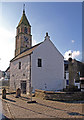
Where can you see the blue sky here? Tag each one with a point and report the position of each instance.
(62, 20)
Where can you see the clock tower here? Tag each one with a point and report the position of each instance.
(23, 35)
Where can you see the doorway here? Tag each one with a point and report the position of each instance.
(23, 87)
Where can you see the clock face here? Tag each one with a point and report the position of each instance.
(25, 39)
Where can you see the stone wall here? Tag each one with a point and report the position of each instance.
(62, 96)
(17, 75)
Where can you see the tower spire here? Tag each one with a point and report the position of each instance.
(23, 8)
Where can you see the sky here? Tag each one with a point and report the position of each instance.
(62, 21)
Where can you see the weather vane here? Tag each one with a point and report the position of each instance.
(23, 7)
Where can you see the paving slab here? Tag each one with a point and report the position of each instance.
(19, 108)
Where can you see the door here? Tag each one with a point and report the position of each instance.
(23, 87)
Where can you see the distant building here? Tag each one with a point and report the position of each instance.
(40, 66)
(66, 73)
(2, 77)
(82, 77)
(7, 73)
(77, 70)
(2, 74)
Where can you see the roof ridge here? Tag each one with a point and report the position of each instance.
(29, 51)
(31, 47)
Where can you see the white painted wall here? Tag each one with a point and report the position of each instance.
(67, 78)
(82, 86)
(67, 75)
(16, 74)
(77, 84)
(50, 75)
(52, 71)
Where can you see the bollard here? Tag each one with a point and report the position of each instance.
(4, 93)
(18, 93)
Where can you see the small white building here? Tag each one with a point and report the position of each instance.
(40, 66)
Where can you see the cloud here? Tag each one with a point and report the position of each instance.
(7, 39)
(74, 54)
(34, 42)
(6, 34)
(72, 41)
(7, 47)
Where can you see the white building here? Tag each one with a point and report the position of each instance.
(77, 74)
(40, 66)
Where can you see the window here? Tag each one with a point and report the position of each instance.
(25, 30)
(29, 30)
(39, 62)
(19, 65)
(67, 82)
(18, 37)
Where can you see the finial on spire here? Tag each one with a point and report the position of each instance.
(23, 8)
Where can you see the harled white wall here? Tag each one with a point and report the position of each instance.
(51, 74)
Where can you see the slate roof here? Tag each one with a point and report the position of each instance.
(26, 52)
(8, 69)
(24, 20)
